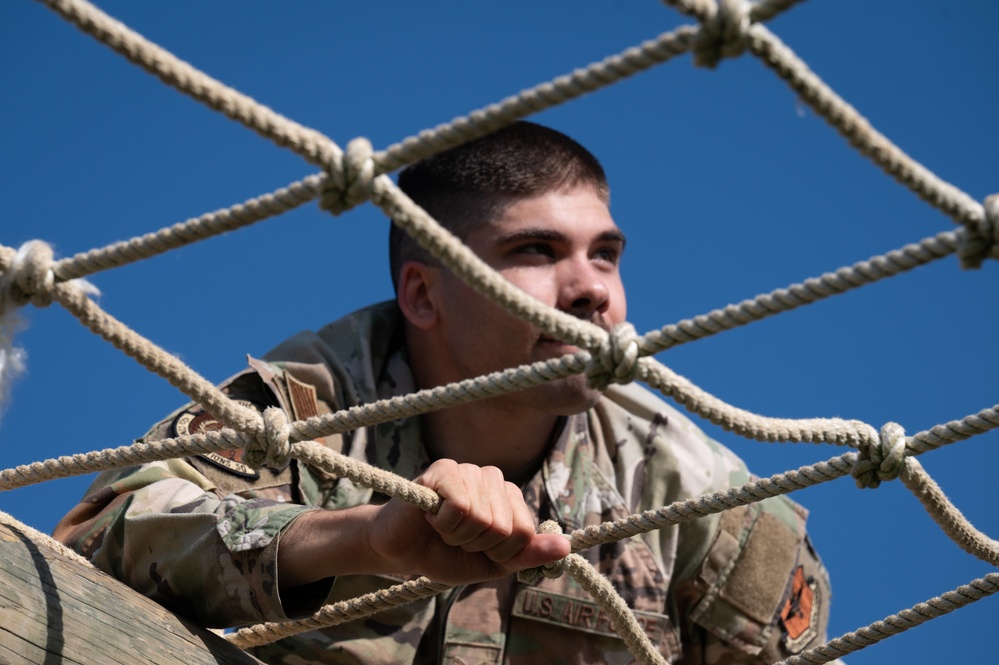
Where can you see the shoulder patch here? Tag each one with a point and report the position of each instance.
(198, 421)
(800, 615)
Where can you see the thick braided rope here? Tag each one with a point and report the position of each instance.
(811, 290)
(190, 231)
(320, 150)
(950, 520)
(698, 507)
(34, 281)
(750, 425)
(780, 300)
(155, 359)
(282, 434)
(980, 223)
(545, 95)
(36, 536)
(308, 143)
(707, 10)
(701, 326)
(341, 421)
(731, 26)
(955, 430)
(614, 606)
(595, 535)
(278, 434)
(304, 430)
(600, 588)
(337, 613)
(579, 568)
(898, 623)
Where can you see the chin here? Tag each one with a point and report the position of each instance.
(564, 397)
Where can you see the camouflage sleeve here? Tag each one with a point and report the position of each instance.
(198, 535)
(166, 532)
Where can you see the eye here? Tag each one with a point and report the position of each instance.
(609, 255)
(535, 249)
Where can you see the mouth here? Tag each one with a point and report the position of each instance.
(556, 345)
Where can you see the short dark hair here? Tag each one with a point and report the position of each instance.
(472, 183)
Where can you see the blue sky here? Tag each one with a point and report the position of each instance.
(726, 185)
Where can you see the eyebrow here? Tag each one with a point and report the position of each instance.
(611, 235)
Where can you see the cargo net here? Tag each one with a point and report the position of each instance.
(725, 28)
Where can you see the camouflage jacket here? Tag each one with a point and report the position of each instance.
(200, 535)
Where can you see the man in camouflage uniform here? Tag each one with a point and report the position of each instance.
(226, 545)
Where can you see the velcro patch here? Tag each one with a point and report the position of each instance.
(581, 614)
(800, 616)
(201, 422)
(757, 583)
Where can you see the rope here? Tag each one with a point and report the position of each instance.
(810, 291)
(982, 239)
(696, 508)
(184, 233)
(946, 515)
(307, 143)
(545, 95)
(836, 431)
(337, 613)
(859, 132)
(614, 606)
(727, 28)
(36, 536)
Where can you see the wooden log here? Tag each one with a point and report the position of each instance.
(54, 609)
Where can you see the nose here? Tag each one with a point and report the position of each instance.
(583, 289)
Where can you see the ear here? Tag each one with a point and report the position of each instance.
(419, 290)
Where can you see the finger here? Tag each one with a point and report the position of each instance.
(446, 479)
(522, 527)
(466, 511)
(477, 519)
(500, 512)
(541, 549)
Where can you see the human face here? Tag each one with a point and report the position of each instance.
(563, 249)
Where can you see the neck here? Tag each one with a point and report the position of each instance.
(487, 434)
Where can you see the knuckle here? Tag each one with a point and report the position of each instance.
(479, 518)
(504, 531)
(522, 531)
(493, 473)
(444, 465)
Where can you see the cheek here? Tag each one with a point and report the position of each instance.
(618, 310)
(537, 283)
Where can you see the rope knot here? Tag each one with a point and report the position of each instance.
(29, 278)
(723, 34)
(616, 361)
(270, 448)
(883, 460)
(551, 570)
(351, 178)
(982, 239)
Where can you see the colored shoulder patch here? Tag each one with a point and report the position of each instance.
(198, 421)
(800, 616)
